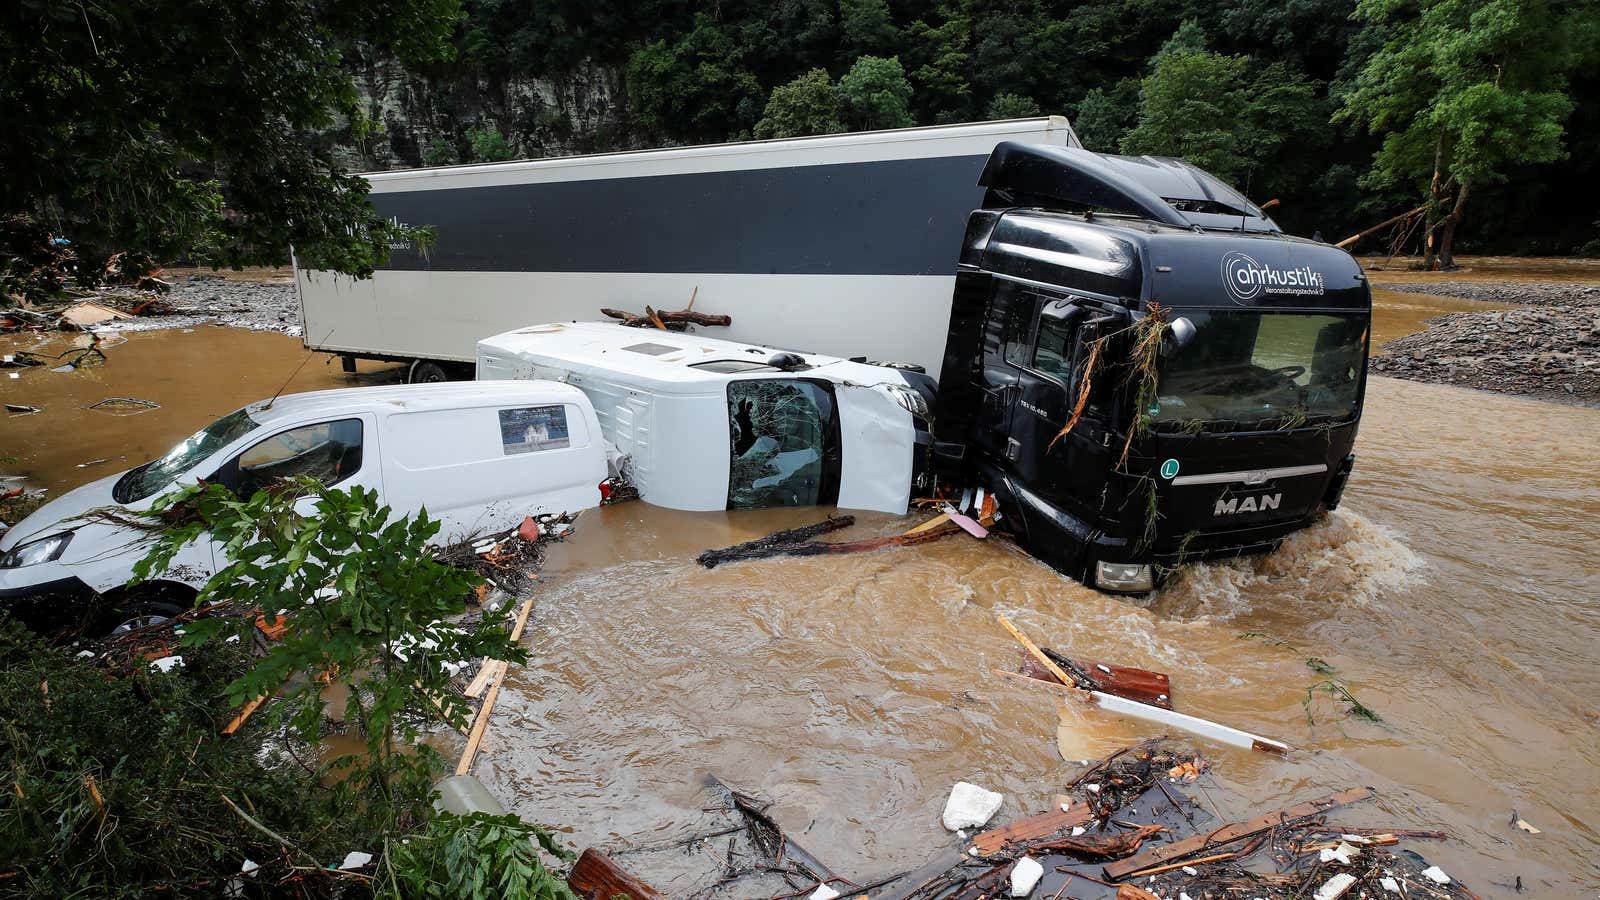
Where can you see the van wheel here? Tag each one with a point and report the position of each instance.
(426, 371)
(142, 615)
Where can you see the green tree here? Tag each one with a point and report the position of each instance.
(1011, 106)
(365, 602)
(156, 129)
(696, 87)
(1463, 92)
(938, 61)
(866, 27)
(1105, 116)
(1214, 111)
(807, 105)
(876, 94)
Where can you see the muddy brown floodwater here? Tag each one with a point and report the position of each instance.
(1456, 595)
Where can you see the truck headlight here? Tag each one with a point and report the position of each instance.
(32, 553)
(1123, 576)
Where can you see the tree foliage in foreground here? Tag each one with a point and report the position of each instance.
(158, 129)
(121, 781)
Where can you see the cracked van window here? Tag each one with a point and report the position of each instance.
(155, 476)
(327, 451)
(779, 433)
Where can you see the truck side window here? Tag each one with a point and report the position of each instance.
(780, 440)
(1017, 324)
(1054, 353)
(327, 451)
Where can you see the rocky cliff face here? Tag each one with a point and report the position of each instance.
(446, 118)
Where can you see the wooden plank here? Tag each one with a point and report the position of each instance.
(486, 674)
(596, 876)
(1042, 826)
(1230, 833)
(481, 723)
(932, 523)
(1038, 655)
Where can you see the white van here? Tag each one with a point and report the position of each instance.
(478, 457)
(707, 424)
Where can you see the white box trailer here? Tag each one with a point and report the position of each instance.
(840, 244)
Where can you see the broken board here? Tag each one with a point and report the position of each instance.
(1141, 685)
(596, 876)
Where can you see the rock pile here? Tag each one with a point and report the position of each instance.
(1550, 350)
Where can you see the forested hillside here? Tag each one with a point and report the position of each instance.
(1342, 110)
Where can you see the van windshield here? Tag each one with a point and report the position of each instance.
(158, 475)
(1247, 368)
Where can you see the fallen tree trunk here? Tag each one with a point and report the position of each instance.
(825, 548)
(673, 320)
(1381, 225)
(752, 549)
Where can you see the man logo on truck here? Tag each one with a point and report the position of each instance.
(1228, 506)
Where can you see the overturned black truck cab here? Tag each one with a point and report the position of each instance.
(1143, 369)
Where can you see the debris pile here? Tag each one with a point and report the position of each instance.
(196, 299)
(1124, 829)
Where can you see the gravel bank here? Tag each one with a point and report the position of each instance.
(1550, 350)
(1511, 292)
(203, 298)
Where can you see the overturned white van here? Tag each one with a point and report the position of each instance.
(707, 424)
(478, 457)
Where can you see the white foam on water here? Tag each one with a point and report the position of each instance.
(1344, 558)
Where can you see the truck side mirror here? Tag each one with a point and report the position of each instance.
(1179, 334)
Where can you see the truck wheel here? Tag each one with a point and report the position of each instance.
(426, 371)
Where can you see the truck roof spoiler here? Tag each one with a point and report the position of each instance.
(1161, 189)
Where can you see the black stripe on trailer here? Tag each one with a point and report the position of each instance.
(887, 217)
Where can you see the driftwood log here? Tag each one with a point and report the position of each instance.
(667, 320)
(763, 547)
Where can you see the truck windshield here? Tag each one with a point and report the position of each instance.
(1245, 368)
(156, 476)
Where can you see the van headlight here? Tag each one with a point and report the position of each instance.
(32, 553)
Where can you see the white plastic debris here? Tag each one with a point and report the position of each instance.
(1390, 885)
(823, 892)
(1355, 839)
(1025, 875)
(231, 639)
(970, 806)
(1341, 854)
(1077, 830)
(86, 654)
(1183, 895)
(1190, 871)
(1435, 875)
(1335, 887)
(355, 859)
(166, 663)
(249, 867)
(1092, 788)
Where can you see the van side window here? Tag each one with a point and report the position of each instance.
(782, 443)
(330, 452)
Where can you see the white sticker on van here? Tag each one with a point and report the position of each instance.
(531, 428)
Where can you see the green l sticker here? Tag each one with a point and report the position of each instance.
(1169, 469)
